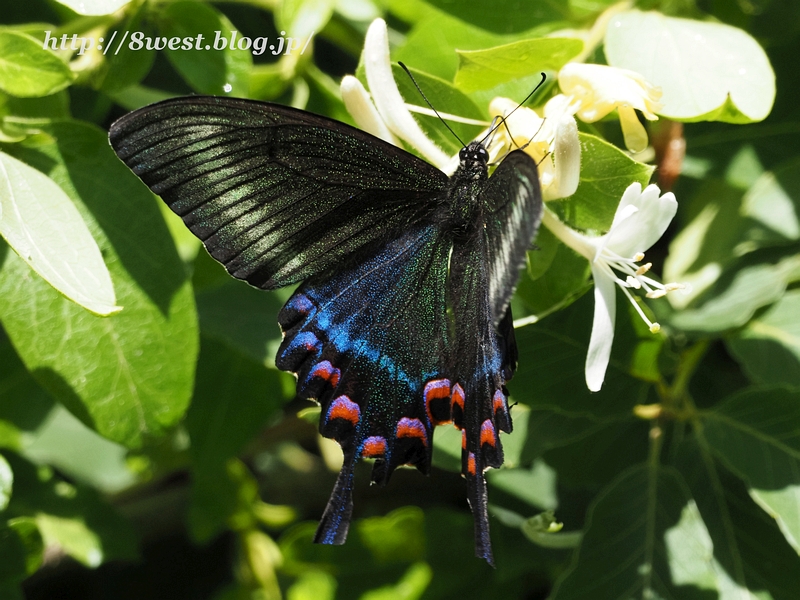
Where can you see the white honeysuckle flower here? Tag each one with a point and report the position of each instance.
(641, 219)
(386, 116)
(359, 105)
(551, 141)
(387, 98)
(599, 89)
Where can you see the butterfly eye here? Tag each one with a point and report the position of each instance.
(462, 154)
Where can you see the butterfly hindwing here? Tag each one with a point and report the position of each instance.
(484, 268)
(370, 344)
(276, 194)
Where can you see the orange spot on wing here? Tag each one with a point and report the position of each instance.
(438, 389)
(488, 435)
(412, 428)
(471, 469)
(373, 447)
(326, 371)
(499, 402)
(458, 396)
(344, 408)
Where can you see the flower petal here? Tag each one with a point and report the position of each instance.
(567, 158)
(633, 131)
(642, 228)
(360, 106)
(387, 97)
(600, 89)
(605, 308)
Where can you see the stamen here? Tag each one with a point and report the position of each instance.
(633, 282)
(638, 257)
(643, 269)
(639, 310)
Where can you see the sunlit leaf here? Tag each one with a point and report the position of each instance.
(27, 69)
(40, 222)
(707, 71)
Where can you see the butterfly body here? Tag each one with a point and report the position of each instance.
(402, 319)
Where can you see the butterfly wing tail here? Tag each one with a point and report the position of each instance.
(335, 522)
(477, 496)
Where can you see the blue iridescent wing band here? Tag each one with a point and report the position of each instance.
(369, 344)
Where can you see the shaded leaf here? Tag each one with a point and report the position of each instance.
(220, 69)
(769, 346)
(643, 539)
(756, 434)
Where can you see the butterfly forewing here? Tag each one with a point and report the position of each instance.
(276, 194)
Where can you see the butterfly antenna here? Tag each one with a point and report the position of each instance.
(428, 102)
(528, 97)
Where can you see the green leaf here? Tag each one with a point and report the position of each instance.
(596, 456)
(552, 362)
(737, 294)
(751, 557)
(302, 18)
(756, 433)
(42, 225)
(6, 482)
(94, 7)
(314, 584)
(644, 538)
(483, 69)
(73, 519)
(535, 485)
(126, 67)
(774, 203)
(429, 45)
(28, 70)
(449, 100)
(769, 346)
(606, 172)
(411, 585)
(143, 358)
(233, 398)
(62, 441)
(726, 224)
(398, 536)
(223, 495)
(707, 71)
(24, 405)
(243, 317)
(501, 16)
(556, 275)
(21, 549)
(216, 68)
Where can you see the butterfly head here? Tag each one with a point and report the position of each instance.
(473, 160)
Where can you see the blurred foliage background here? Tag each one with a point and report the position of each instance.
(158, 453)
